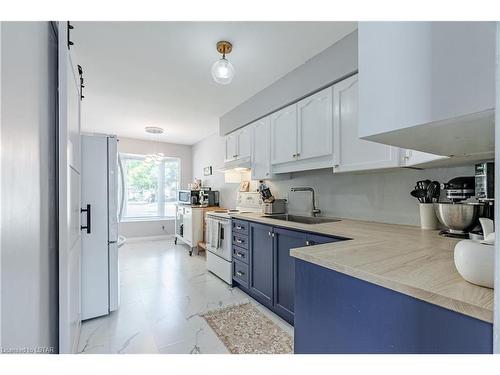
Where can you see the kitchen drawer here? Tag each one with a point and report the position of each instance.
(240, 227)
(240, 240)
(240, 254)
(240, 272)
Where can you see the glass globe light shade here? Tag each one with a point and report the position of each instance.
(223, 71)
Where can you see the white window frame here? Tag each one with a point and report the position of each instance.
(161, 186)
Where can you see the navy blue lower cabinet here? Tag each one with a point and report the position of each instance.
(261, 263)
(336, 313)
(284, 270)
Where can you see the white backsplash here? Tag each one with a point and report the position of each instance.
(382, 196)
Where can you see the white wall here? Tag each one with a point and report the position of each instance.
(29, 273)
(141, 147)
(382, 196)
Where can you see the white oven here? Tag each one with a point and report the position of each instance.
(218, 242)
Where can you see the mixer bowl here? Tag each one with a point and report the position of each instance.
(458, 217)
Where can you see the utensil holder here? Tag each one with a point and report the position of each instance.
(428, 218)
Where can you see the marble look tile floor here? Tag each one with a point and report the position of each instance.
(163, 290)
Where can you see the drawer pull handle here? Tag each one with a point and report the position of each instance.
(270, 234)
(238, 227)
(239, 241)
(241, 255)
(309, 243)
(239, 273)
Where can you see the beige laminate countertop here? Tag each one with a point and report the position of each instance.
(407, 259)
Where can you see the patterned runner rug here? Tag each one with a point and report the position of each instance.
(245, 330)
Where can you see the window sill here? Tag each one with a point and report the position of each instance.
(143, 219)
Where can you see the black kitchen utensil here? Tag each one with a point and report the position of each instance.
(423, 184)
(437, 191)
(420, 194)
(431, 191)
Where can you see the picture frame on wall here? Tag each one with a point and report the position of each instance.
(207, 171)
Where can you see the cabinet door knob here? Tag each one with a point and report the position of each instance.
(239, 273)
(309, 243)
(239, 227)
(269, 233)
(240, 255)
(239, 241)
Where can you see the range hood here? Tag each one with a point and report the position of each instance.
(242, 164)
(463, 139)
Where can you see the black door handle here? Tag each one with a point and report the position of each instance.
(89, 220)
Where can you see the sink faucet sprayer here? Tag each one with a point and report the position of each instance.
(315, 211)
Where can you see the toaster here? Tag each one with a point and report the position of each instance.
(273, 208)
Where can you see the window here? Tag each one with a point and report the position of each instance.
(150, 187)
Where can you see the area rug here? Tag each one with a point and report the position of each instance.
(245, 330)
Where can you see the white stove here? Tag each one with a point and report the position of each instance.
(219, 237)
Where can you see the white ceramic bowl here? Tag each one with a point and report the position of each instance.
(475, 262)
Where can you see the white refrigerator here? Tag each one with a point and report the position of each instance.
(99, 198)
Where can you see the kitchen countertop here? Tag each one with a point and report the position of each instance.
(407, 259)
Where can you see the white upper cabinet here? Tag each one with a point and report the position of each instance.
(416, 159)
(314, 116)
(284, 135)
(261, 149)
(238, 144)
(231, 141)
(301, 134)
(422, 83)
(350, 152)
(244, 142)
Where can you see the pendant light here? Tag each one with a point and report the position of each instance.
(158, 156)
(223, 70)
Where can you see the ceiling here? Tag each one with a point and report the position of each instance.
(140, 74)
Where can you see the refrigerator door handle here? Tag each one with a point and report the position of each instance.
(122, 202)
(89, 219)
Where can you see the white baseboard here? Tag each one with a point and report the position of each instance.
(150, 238)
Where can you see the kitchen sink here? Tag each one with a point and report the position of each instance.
(303, 219)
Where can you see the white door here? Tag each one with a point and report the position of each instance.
(261, 149)
(284, 135)
(244, 142)
(350, 152)
(69, 197)
(315, 125)
(231, 141)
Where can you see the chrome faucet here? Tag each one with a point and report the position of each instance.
(315, 211)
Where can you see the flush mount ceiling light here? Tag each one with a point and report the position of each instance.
(158, 156)
(223, 70)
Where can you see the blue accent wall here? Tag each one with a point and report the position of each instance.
(336, 313)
